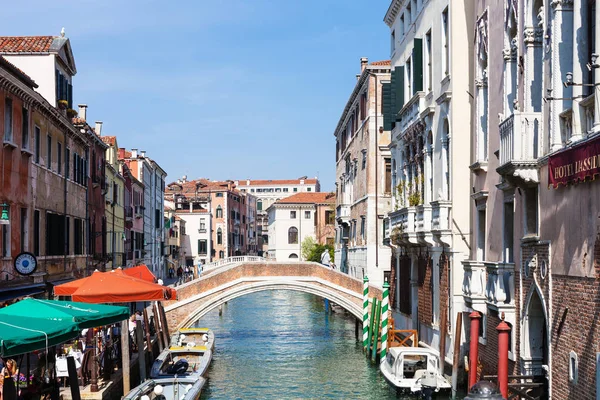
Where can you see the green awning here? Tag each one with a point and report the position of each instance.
(19, 335)
(84, 315)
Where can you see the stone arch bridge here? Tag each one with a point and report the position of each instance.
(198, 297)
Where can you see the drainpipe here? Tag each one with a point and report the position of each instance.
(394, 249)
(114, 237)
(91, 235)
(65, 228)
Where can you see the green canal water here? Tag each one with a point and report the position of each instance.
(283, 345)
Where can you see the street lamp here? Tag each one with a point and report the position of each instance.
(4, 217)
(569, 81)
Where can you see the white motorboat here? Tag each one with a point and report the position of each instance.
(194, 337)
(414, 369)
(186, 361)
(168, 389)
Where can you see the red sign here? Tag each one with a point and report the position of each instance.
(574, 164)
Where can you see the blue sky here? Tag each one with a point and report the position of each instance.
(216, 89)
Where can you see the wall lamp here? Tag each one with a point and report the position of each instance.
(569, 81)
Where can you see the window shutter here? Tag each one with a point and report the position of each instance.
(199, 249)
(417, 62)
(75, 167)
(57, 84)
(399, 91)
(387, 106)
(70, 95)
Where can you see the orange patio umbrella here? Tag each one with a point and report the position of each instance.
(141, 272)
(114, 287)
(67, 289)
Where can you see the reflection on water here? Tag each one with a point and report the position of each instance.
(283, 345)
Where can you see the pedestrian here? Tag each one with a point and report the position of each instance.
(9, 376)
(325, 257)
(171, 273)
(179, 275)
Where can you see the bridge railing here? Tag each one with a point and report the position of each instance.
(231, 260)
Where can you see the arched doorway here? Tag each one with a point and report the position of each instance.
(535, 338)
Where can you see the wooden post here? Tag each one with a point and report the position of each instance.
(125, 356)
(443, 330)
(371, 322)
(376, 332)
(356, 328)
(158, 327)
(94, 361)
(139, 338)
(164, 324)
(73, 379)
(456, 358)
(147, 329)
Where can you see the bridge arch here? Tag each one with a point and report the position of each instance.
(227, 282)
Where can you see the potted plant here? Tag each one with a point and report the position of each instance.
(63, 104)
(71, 113)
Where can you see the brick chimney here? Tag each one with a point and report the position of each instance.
(364, 61)
(121, 153)
(82, 110)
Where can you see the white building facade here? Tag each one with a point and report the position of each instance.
(289, 225)
(427, 108)
(363, 178)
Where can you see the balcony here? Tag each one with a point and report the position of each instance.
(411, 112)
(440, 222)
(202, 230)
(474, 285)
(128, 213)
(520, 146)
(500, 286)
(402, 224)
(342, 213)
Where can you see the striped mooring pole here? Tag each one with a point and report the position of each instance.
(366, 313)
(384, 321)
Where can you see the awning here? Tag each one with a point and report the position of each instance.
(21, 291)
(140, 272)
(83, 314)
(114, 287)
(19, 335)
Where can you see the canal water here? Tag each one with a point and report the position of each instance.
(283, 345)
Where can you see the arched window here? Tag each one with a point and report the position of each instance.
(219, 236)
(219, 212)
(221, 254)
(293, 255)
(259, 205)
(293, 235)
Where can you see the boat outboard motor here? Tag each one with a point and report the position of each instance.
(429, 384)
(179, 368)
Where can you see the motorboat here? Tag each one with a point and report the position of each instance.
(184, 361)
(414, 369)
(186, 388)
(194, 337)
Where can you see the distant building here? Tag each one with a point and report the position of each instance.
(267, 192)
(363, 179)
(176, 239)
(297, 217)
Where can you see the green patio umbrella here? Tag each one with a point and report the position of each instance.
(85, 315)
(23, 334)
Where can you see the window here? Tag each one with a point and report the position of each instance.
(36, 232)
(309, 189)
(292, 214)
(429, 67)
(78, 236)
(37, 144)
(201, 246)
(219, 212)
(481, 229)
(531, 211)
(393, 42)
(202, 225)
(573, 367)
(59, 158)
(157, 216)
(55, 234)
(329, 217)
(49, 152)
(364, 159)
(446, 49)
(295, 189)
(24, 230)
(220, 194)
(293, 255)
(362, 227)
(67, 155)
(401, 26)
(233, 214)
(509, 216)
(259, 205)
(8, 120)
(407, 81)
(408, 14)
(388, 176)
(277, 190)
(293, 235)
(306, 214)
(25, 130)
(219, 236)
(285, 190)
(221, 254)
(5, 241)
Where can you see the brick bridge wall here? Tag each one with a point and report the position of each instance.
(309, 277)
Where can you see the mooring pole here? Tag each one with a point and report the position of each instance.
(474, 347)
(366, 313)
(384, 321)
(371, 322)
(376, 332)
(503, 332)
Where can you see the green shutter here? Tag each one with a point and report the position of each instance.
(387, 106)
(417, 57)
(199, 250)
(399, 90)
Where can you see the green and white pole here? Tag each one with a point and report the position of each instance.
(384, 321)
(366, 313)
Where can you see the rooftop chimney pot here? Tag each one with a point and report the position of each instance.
(363, 63)
(134, 153)
(143, 153)
(82, 110)
(98, 128)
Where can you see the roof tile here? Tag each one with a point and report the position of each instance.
(309, 198)
(25, 44)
